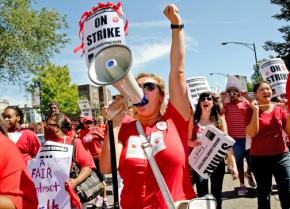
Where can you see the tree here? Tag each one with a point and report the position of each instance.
(55, 85)
(28, 38)
(283, 49)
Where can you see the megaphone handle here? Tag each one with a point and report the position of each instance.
(112, 113)
(105, 93)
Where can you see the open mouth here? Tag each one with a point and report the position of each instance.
(205, 105)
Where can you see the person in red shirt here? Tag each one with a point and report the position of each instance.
(167, 133)
(25, 139)
(234, 112)
(92, 137)
(17, 189)
(269, 154)
(56, 126)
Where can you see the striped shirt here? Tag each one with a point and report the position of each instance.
(235, 118)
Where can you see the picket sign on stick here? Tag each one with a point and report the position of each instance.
(195, 86)
(103, 25)
(275, 72)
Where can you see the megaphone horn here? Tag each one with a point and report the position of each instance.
(111, 65)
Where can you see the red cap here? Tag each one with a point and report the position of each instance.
(87, 118)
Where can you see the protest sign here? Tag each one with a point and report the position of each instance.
(49, 176)
(237, 81)
(196, 86)
(85, 107)
(103, 25)
(52, 149)
(214, 146)
(275, 72)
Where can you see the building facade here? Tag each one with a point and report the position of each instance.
(95, 96)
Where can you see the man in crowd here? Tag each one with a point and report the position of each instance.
(234, 112)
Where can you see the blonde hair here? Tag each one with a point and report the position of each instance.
(161, 86)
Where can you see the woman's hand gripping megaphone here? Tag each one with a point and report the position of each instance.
(117, 109)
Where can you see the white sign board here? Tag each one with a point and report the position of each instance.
(196, 86)
(85, 107)
(49, 176)
(52, 149)
(237, 81)
(214, 146)
(104, 27)
(275, 72)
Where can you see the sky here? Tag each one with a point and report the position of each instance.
(208, 23)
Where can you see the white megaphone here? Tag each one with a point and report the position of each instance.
(112, 65)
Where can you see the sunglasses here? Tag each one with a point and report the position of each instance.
(88, 122)
(149, 86)
(205, 98)
(51, 124)
(232, 93)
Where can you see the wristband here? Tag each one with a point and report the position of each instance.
(181, 26)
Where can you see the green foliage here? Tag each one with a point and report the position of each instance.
(256, 77)
(28, 38)
(250, 86)
(283, 48)
(56, 86)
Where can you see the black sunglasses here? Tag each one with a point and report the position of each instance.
(205, 98)
(149, 86)
(51, 124)
(88, 122)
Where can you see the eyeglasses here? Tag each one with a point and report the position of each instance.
(205, 98)
(232, 93)
(51, 124)
(88, 122)
(149, 86)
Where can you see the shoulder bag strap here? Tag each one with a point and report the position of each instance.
(158, 176)
(74, 149)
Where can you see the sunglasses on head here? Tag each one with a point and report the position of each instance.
(148, 86)
(205, 98)
(232, 93)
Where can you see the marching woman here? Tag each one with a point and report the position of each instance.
(208, 113)
(25, 139)
(269, 153)
(56, 126)
(165, 132)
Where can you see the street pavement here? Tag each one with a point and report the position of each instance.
(230, 198)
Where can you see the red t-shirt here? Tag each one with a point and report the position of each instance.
(169, 140)
(95, 141)
(235, 118)
(15, 180)
(82, 156)
(269, 140)
(27, 142)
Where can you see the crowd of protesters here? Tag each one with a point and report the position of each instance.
(263, 119)
(172, 130)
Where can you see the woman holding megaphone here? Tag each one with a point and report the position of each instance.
(166, 132)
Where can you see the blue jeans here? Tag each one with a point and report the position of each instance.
(216, 178)
(263, 168)
(240, 153)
